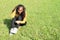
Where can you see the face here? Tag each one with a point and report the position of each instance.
(20, 10)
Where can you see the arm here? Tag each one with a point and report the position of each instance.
(12, 15)
(24, 20)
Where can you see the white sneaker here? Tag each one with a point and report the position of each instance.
(13, 30)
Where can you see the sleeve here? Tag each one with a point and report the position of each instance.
(24, 20)
(12, 15)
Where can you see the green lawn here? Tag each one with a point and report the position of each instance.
(43, 20)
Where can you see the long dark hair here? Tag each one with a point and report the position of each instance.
(17, 8)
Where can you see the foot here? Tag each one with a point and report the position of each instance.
(13, 30)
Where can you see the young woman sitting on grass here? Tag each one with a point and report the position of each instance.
(18, 18)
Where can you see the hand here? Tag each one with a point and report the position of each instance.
(17, 22)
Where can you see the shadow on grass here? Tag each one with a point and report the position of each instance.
(8, 23)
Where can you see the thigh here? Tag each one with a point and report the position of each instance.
(13, 24)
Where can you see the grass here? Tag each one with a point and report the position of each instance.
(43, 20)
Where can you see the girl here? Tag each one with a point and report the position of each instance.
(18, 18)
